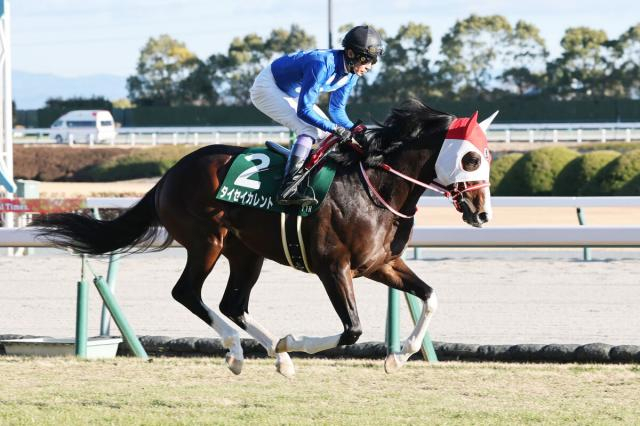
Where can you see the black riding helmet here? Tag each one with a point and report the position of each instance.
(365, 42)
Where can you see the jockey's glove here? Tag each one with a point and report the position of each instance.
(358, 132)
(342, 133)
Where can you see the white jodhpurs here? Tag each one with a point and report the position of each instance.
(279, 106)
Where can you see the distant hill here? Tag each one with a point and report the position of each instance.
(31, 90)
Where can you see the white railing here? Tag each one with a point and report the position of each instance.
(452, 236)
(249, 135)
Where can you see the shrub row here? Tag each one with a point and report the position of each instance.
(564, 172)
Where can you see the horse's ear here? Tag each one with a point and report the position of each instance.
(484, 125)
(471, 161)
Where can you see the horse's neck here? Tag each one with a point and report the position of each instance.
(402, 194)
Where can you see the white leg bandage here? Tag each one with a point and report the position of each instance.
(310, 345)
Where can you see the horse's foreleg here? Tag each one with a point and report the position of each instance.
(398, 275)
(245, 267)
(188, 292)
(337, 282)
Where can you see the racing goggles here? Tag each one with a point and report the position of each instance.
(370, 54)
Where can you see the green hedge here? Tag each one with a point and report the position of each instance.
(535, 173)
(577, 175)
(632, 187)
(499, 168)
(619, 177)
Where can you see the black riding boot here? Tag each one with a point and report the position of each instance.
(292, 171)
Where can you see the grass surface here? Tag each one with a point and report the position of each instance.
(202, 391)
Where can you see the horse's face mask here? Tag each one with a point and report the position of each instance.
(463, 168)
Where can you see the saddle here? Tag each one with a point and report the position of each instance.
(255, 176)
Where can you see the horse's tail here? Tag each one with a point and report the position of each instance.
(137, 227)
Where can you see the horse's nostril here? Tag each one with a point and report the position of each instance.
(483, 217)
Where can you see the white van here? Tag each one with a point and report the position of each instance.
(82, 124)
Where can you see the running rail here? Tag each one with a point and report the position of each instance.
(450, 236)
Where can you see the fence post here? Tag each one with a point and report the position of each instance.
(627, 135)
(555, 135)
(82, 313)
(175, 138)
(196, 139)
(530, 136)
(507, 136)
(579, 136)
(586, 251)
(154, 139)
(121, 321)
(238, 138)
(603, 135)
(393, 321)
(112, 271)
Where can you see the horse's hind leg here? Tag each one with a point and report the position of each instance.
(398, 275)
(201, 259)
(245, 267)
(336, 278)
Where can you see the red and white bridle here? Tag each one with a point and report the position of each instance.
(453, 192)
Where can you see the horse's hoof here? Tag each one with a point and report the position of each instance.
(284, 365)
(234, 364)
(392, 363)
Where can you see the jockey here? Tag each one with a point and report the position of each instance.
(288, 89)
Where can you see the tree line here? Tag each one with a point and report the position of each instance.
(480, 57)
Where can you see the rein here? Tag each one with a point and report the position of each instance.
(452, 192)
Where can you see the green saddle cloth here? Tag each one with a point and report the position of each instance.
(255, 176)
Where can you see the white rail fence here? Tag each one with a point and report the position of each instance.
(455, 236)
(249, 135)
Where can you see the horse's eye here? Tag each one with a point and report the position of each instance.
(471, 161)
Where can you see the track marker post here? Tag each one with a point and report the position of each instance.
(112, 306)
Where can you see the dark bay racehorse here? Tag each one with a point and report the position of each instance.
(352, 235)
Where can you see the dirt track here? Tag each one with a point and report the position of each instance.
(493, 300)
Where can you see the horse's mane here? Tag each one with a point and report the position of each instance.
(409, 123)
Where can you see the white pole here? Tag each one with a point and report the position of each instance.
(627, 135)
(555, 135)
(195, 139)
(579, 136)
(507, 136)
(531, 136)
(154, 139)
(603, 133)
(6, 118)
(175, 139)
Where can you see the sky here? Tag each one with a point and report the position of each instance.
(83, 37)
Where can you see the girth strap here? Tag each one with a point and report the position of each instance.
(292, 241)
